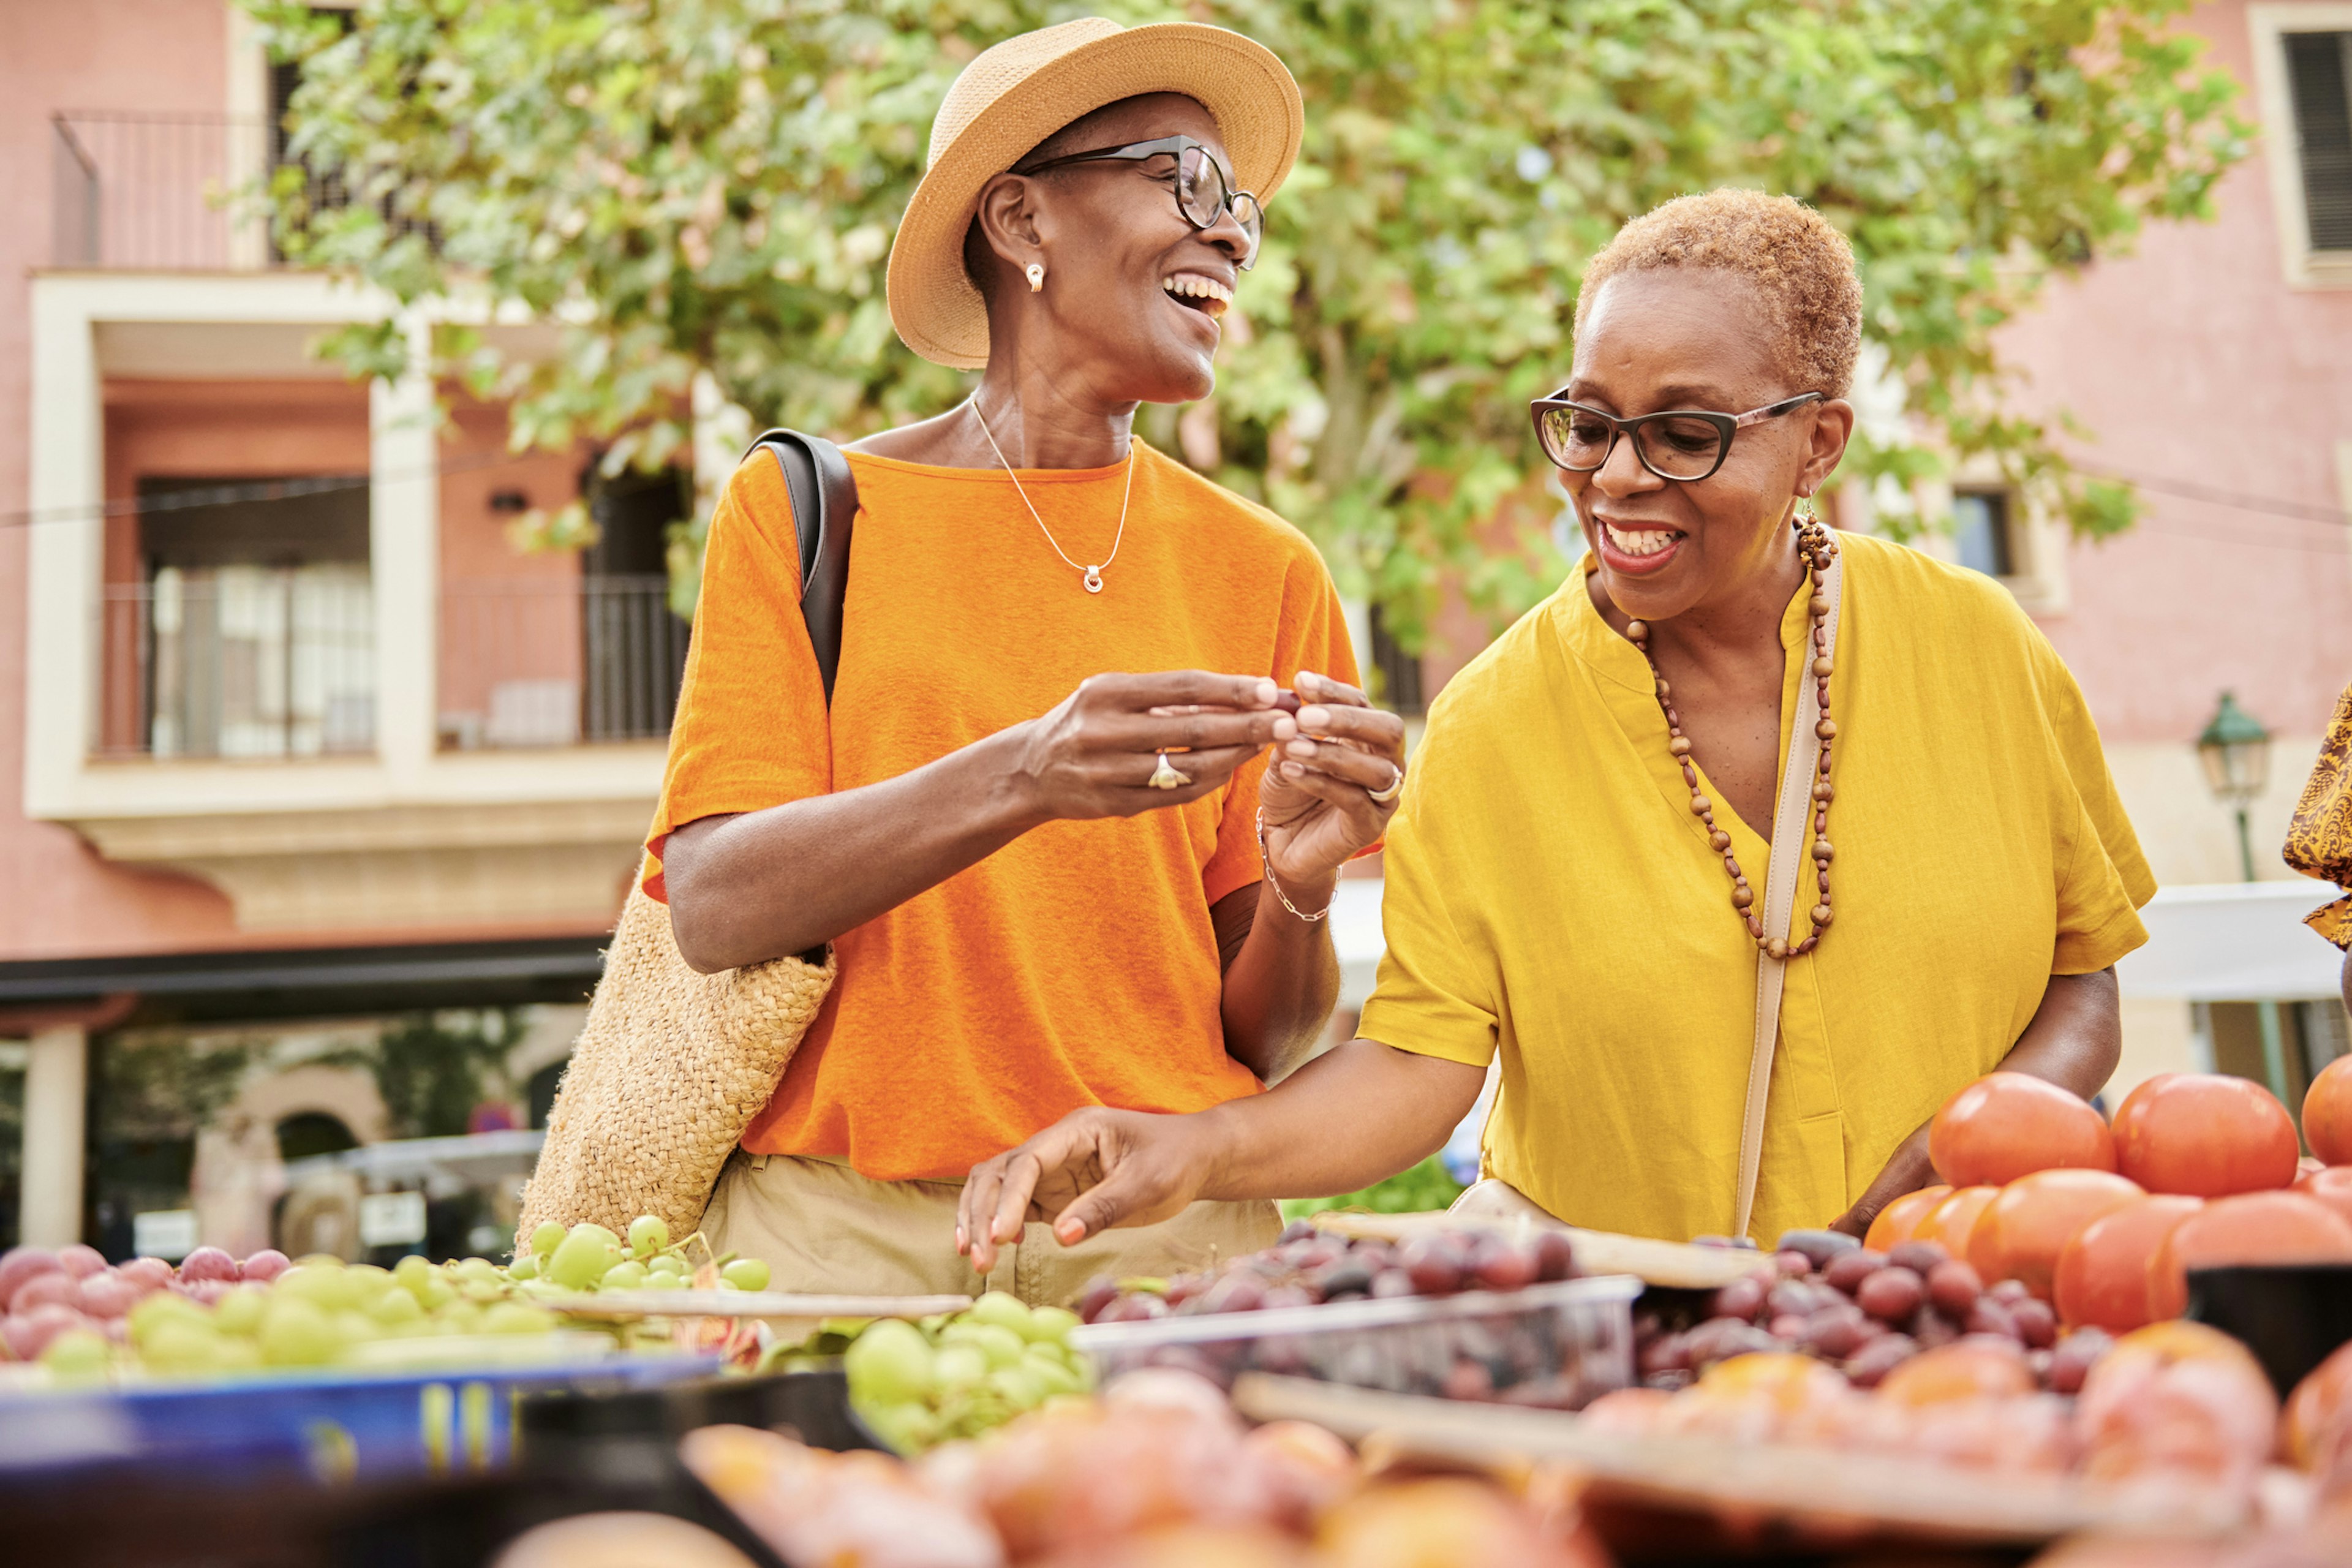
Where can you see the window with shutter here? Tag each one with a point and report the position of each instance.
(2319, 83)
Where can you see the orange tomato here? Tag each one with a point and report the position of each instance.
(1973, 1368)
(2024, 1230)
(2101, 1280)
(2327, 1112)
(2319, 1410)
(1954, 1220)
(2011, 1124)
(2331, 1185)
(2250, 1227)
(1898, 1220)
(2206, 1134)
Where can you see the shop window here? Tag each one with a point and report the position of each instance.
(1396, 673)
(308, 1134)
(2302, 79)
(1982, 532)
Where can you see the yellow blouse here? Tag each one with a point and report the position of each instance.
(1550, 897)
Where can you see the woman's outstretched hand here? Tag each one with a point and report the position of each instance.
(1095, 753)
(1092, 1170)
(1318, 786)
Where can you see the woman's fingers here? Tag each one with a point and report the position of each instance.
(1314, 687)
(1367, 769)
(1175, 688)
(1366, 726)
(1196, 730)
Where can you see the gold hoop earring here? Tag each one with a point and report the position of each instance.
(1036, 274)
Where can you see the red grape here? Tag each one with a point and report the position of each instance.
(1389, 1283)
(2037, 1324)
(1555, 1256)
(207, 1263)
(20, 1264)
(1233, 1293)
(2010, 1292)
(1819, 1246)
(1786, 1326)
(108, 1295)
(151, 1274)
(80, 1261)
(1742, 1299)
(1500, 1265)
(1098, 1295)
(1288, 1296)
(1468, 1379)
(1989, 1317)
(1836, 1332)
(1792, 1264)
(29, 1333)
(1434, 1263)
(1847, 1271)
(1882, 1355)
(1892, 1295)
(59, 1290)
(1918, 1256)
(1954, 1285)
(2071, 1358)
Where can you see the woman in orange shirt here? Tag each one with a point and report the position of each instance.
(1048, 887)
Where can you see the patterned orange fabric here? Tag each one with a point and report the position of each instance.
(2319, 839)
(1077, 965)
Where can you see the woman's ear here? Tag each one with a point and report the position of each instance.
(1833, 429)
(1007, 216)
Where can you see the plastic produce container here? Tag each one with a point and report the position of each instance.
(331, 1425)
(1558, 1345)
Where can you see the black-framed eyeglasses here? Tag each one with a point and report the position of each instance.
(1204, 191)
(1684, 444)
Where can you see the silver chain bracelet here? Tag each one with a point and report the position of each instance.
(1275, 882)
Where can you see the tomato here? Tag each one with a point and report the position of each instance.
(1898, 1220)
(2327, 1112)
(2011, 1124)
(2320, 1409)
(2173, 1399)
(2101, 1279)
(2250, 1227)
(2331, 1185)
(2206, 1134)
(1953, 1221)
(1973, 1368)
(2024, 1230)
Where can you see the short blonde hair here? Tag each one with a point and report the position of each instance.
(1795, 258)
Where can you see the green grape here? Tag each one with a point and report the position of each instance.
(907, 1428)
(150, 1315)
(1047, 1323)
(1053, 1376)
(746, 1274)
(433, 1292)
(236, 1354)
(395, 1307)
(1001, 1309)
(239, 1311)
(354, 1327)
(477, 1270)
(315, 1283)
(76, 1355)
(516, 1318)
(647, 1234)
(1003, 1347)
(667, 1263)
(414, 1266)
(664, 1282)
(583, 1258)
(545, 1238)
(295, 1332)
(956, 1365)
(1018, 1386)
(626, 1275)
(523, 1268)
(889, 1364)
(459, 1317)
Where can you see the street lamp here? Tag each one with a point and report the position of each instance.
(2236, 751)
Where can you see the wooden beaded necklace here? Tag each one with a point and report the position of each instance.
(1815, 543)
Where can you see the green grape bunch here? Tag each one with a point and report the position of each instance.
(920, 1385)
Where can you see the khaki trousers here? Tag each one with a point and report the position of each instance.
(821, 1229)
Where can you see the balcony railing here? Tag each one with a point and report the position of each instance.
(276, 662)
(238, 661)
(559, 661)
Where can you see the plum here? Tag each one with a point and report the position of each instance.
(80, 1261)
(20, 1264)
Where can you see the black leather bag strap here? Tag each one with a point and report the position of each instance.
(824, 510)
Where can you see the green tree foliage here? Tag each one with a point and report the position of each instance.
(710, 186)
(434, 1068)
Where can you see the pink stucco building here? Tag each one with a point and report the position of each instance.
(288, 732)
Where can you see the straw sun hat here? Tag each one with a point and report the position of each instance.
(1015, 94)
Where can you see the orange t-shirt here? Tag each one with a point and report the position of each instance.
(1077, 965)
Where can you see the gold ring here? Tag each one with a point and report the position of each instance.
(1394, 787)
(1165, 777)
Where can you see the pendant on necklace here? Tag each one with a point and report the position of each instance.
(1094, 579)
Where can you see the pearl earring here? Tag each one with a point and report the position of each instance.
(1036, 271)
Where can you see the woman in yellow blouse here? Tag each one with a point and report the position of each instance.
(1577, 875)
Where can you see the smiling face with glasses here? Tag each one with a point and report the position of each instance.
(1140, 235)
(1684, 447)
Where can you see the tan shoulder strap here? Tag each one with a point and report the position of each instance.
(1785, 862)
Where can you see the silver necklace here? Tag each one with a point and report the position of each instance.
(1092, 575)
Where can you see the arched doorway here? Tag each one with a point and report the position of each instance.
(308, 1132)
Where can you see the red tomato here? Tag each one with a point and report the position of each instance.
(2250, 1227)
(2024, 1230)
(2320, 1409)
(2327, 1112)
(1978, 1367)
(2331, 1185)
(2101, 1280)
(1898, 1220)
(1952, 1221)
(2204, 1133)
(2011, 1124)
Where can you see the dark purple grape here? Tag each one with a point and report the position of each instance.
(2008, 1293)
(1954, 1285)
(1100, 1293)
(1296, 1230)
(1847, 1271)
(1238, 1292)
(1555, 1256)
(1989, 1317)
(1892, 1295)
(1435, 1262)
(1918, 1256)
(1345, 1277)
(1792, 1264)
(1870, 1364)
(1742, 1299)
(1787, 1327)
(1670, 1353)
(1818, 1246)
(1836, 1332)
(2037, 1325)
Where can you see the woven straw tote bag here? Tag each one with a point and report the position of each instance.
(672, 1065)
